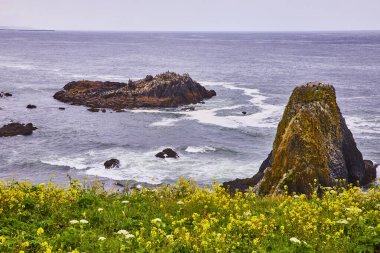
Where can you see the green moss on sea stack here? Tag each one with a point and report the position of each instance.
(312, 145)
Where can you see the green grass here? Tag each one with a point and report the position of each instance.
(184, 218)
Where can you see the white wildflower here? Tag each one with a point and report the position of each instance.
(342, 221)
(83, 221)
(100, 209)
(125, 202)
(156, 220)
(248, 213)
(101, 238)
(73, 222)
(128, 236)
(122, 232)
(180, 203)
(294, 240)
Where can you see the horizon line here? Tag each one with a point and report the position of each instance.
(189, 31)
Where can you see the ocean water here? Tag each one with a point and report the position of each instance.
(252, 72)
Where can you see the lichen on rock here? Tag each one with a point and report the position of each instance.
(313, 145)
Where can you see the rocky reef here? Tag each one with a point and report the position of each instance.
(13, 129)
(313, 145)
(164, 90)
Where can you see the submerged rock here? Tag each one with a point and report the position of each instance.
(167, 153)
(14, 129)
(5, 94)
(313, 145)
(31, 106)
(164, 90)
(112, 163)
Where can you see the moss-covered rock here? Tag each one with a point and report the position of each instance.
(312, 146)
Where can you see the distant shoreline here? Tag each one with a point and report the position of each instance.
(26, 30)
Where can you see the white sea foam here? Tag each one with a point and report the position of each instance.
(166, 122)
(22, 66)
(145, 167)
(266, 117)
(204, 149)
(72, 162)
(363, 127)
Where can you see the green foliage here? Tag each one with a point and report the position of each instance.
(185, 218)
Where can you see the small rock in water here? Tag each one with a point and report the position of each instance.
(161, 155)
(31, 106)
(61, 108)
(93, 110)
(244, 113)
(167, 153)
(14, 129)
(112, 163)
(5, 94)
(103, 110)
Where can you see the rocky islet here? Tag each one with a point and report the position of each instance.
(168, 90)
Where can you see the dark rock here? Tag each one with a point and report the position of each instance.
(312, 142)
(167, 153)
(370, 172)
(164, 90)
(244, 184)
(14, 129)
(244, 113)
(31, 106)
(103, 110)
(5, 94)
(188, 108)
(93, 109)
(62, 108)
(161, 155)
(119, 110)
(112, 163)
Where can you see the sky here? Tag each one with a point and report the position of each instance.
(192, 15)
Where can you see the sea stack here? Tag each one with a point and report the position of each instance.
(313, 145)
(164, 90)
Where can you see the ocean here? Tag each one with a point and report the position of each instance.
(251, 72)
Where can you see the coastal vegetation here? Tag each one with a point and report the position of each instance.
(184, 217)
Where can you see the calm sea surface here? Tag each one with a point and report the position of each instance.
(252, 72)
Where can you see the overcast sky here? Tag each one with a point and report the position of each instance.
(192, 15)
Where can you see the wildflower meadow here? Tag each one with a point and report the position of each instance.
(184, 217)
